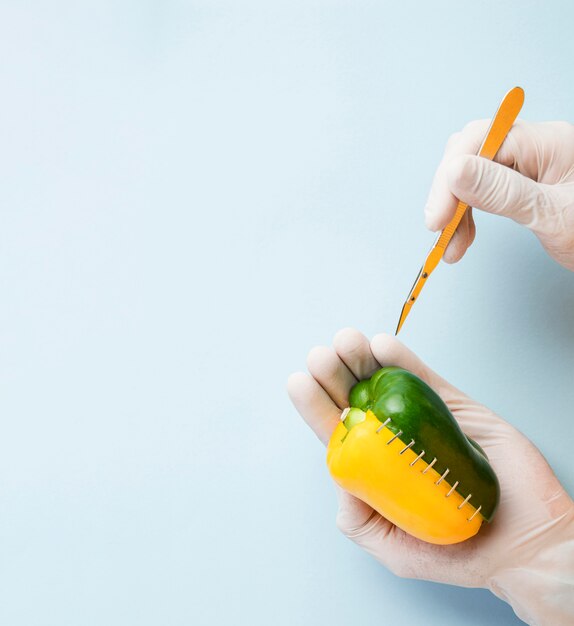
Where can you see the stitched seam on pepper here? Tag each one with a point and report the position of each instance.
(453, 487)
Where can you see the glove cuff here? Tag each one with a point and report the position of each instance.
(542, 591)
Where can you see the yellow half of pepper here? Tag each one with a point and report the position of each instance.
(402, 489)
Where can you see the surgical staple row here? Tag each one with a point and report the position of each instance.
(426, 469)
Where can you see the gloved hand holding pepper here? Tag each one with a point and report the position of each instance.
(525, 556)
(531, 180)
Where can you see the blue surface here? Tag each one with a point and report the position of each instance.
(193, 195)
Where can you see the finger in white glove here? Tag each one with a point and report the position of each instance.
(531, 182)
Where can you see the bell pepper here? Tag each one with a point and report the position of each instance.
(400, 450)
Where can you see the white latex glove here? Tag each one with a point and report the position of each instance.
(532, 182)
(525, 556)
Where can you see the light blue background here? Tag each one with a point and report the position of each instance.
(194, 194)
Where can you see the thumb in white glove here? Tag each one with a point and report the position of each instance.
(531, 182)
